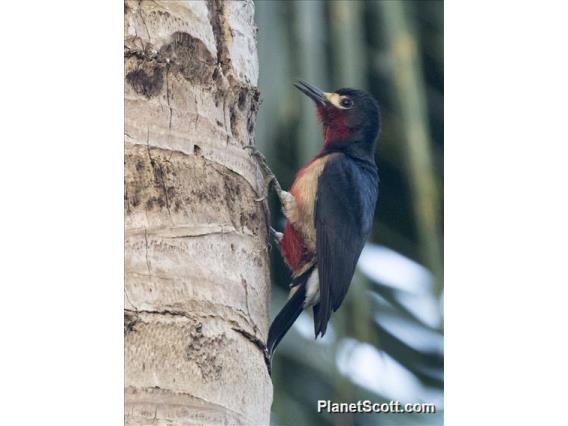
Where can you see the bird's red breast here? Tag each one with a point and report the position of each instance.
(299, 240)
(293, 247)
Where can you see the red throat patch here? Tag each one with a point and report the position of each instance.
(333, 123)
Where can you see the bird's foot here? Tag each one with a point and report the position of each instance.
(265, 188)
(268, 361)
(276, 235)
(269, 176)
(260, 159)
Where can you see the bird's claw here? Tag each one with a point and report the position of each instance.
(266, 188)
(269, 177)
(260, 159)
(255, 152)
(275, 234)
(251, 147)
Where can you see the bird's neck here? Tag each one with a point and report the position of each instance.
(339, 137)
(361, 150)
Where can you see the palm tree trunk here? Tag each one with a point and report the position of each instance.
(197, 282)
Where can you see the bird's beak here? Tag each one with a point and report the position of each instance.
(312, 91)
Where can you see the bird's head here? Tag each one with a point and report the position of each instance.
(348, 116)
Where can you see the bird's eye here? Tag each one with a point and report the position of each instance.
(346, 103)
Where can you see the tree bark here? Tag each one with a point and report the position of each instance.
(197, 283)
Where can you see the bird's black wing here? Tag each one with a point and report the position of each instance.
(345, 202)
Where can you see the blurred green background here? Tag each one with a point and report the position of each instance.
(386, 340)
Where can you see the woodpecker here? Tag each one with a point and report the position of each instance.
(329, 208)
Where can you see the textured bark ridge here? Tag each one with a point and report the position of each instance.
(196, 263)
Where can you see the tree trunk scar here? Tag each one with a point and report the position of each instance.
(159, 173)
(168, 95)
(146, 252)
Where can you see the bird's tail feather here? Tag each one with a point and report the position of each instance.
(285, 318)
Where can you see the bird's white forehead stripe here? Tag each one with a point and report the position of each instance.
(334, 99)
